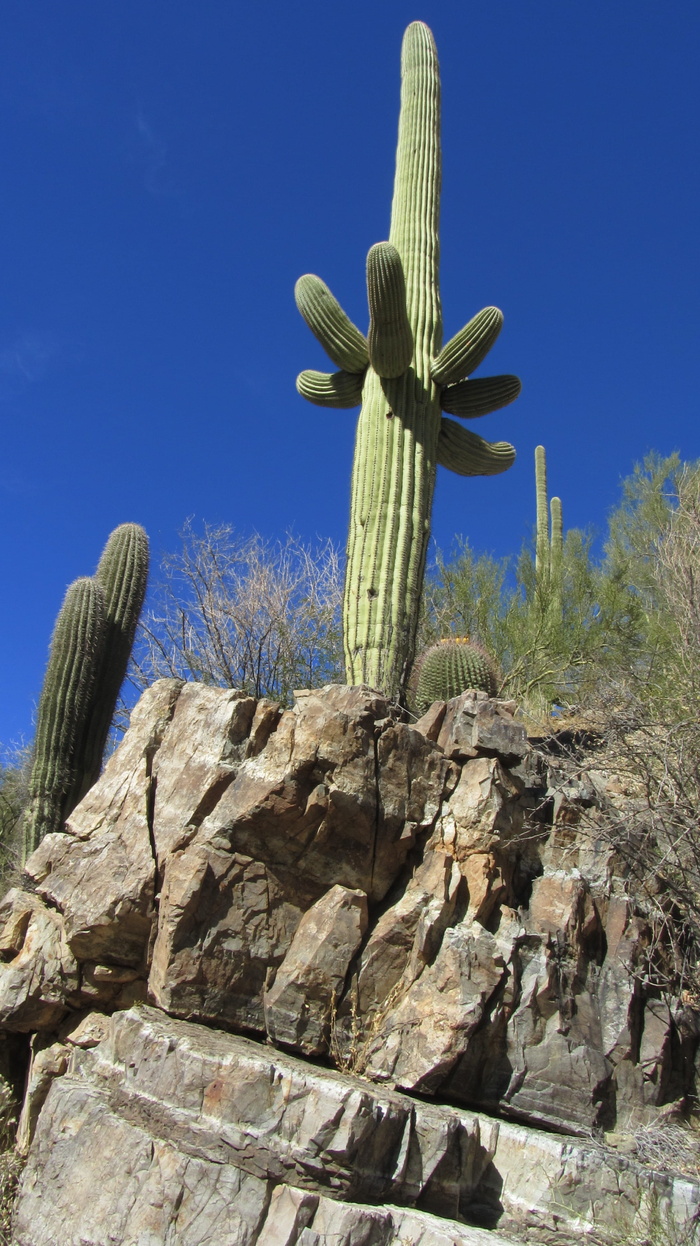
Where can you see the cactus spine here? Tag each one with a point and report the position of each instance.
(405, 380)
(88, 658)
(75, 655)
(448, 668)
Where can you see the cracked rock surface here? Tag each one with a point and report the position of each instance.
(417, 905)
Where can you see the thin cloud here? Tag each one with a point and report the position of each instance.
(26, 360)
(151, 155)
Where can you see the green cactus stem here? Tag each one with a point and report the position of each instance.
(468, 348)
(549, 538)
(331, 389)
(556, 555)
(448, 668)
(75, 657)
(122, 573)
(342, 342)
(542, 532)
(408, 379)
(471, 399)
(390, 339)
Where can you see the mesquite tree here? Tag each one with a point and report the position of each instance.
(404, 379)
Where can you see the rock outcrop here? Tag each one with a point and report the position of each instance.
(420, 906)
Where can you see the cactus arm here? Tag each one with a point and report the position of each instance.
(467, 454)
(390, 338)
(75, 655)
(542, 536)
(470, 399)
(468, 348)
(331, 389)
(339, 337)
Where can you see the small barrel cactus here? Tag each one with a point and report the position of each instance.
(448, 668)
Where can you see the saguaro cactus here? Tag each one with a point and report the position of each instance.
(87, 663)
(549, 540)
(122, 573)
(75, 656)
(404, 380)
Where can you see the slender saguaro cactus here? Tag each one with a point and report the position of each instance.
(404, 380)
(87, 663)
(122, 573)
(549, 540)
(75, 656)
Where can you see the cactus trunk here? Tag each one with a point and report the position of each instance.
(396, 444)
(76, 652)
(122, 573)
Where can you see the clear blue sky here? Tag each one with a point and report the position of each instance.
(170, 169)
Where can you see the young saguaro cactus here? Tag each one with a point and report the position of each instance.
(75, 656)
(404, 378)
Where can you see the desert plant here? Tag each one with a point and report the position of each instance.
(64, 708)
(447, 668)
(403, 380)
(87, 663)
(245, 613)
(122, 574)
(549, 540)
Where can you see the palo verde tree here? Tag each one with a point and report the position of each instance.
(404, 379)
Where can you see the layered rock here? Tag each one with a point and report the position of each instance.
(420, 905)
(205, 1137)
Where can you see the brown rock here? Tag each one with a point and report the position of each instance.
(37, 980)
(197, 760)
(225, 922)
(100, 874)
(298, 1006)
(430, 723)
(474, 724)
(482, 813)
(47, 1062)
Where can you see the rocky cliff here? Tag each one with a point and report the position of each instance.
(318, 975)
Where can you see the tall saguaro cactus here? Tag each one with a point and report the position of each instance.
(404, 379)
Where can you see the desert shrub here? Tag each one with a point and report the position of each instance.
(243, 612)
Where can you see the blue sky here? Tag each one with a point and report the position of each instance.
(170, 169)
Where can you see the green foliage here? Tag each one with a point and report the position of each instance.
(404, 380)
(566, 628)
(448, 668)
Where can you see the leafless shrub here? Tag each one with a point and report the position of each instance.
(245, 613)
